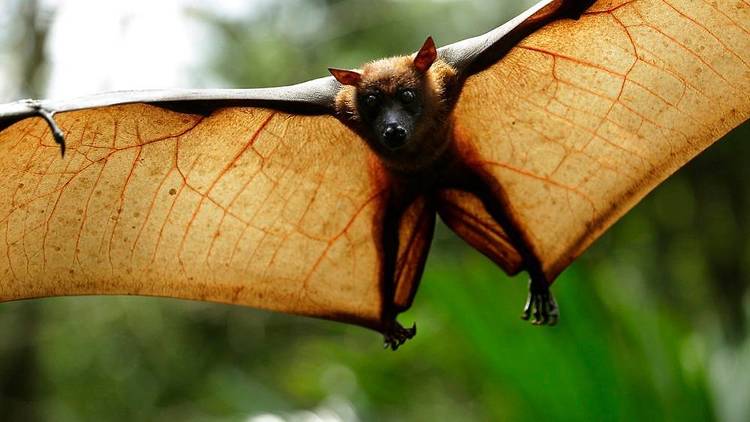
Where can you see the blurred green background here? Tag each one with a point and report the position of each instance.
(655, 314)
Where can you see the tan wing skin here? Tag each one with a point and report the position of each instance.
(416, 226)
(465, 214)
(246, 206)
(583, 118)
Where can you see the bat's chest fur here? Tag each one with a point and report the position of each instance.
(424, 157)
(433, 166)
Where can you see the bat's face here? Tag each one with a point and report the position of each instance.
(398, 105)
(391, 115)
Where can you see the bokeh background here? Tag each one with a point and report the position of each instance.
(655, 314)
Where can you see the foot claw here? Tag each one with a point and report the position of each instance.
(396, 335)
(541, 307)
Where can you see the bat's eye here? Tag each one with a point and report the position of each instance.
(371, 101)
(407, 96)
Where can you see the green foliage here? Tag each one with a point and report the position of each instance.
(142, 358)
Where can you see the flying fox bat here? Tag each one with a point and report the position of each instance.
(320, 198)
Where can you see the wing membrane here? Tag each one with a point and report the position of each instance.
(584, 118)
(244, 206)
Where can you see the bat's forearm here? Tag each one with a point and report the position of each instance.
(317, 92)
(314, 96)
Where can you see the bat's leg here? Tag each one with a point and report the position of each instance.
(47, 116)
(394, 334)
(541, 306)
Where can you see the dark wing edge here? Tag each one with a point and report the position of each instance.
(472, 55)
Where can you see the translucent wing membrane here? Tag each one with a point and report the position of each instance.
(248, 206)
(584, 118)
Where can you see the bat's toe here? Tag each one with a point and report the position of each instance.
(541, 307)
(396, 335)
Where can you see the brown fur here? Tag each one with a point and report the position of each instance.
(430, 138)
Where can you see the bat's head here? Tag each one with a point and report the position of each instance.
(398, 102)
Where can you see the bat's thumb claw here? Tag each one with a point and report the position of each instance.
(47, 115)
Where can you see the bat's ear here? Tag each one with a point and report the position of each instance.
(346, 77)
(426, 55)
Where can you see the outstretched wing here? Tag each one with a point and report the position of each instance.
(246, 205)
(584, 117)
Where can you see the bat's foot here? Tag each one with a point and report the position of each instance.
(540, 307)
(395, 335)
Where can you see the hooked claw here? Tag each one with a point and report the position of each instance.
(47, 116)
(396, 335)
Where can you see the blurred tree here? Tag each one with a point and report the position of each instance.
(24, 38)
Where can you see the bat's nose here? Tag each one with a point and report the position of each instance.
(394, 136)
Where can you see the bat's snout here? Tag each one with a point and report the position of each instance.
(394, 136)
